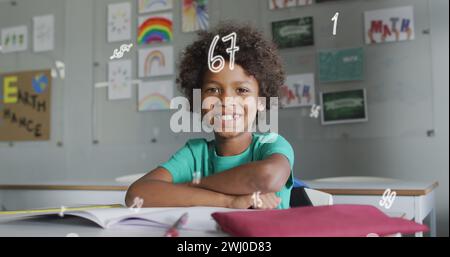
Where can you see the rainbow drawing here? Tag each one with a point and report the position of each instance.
(156, 61)
(155, 29)
(155, 95)
(154, 57)
(154, 102)
(145, 6)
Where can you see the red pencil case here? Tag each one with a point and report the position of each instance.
(323, 221)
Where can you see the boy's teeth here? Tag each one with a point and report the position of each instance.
(228, 117)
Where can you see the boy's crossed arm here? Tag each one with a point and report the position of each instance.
(231, 189)
(266, 176)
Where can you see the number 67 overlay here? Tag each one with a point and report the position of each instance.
(217, 63)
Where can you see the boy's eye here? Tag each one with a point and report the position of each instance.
(212, 90)
(242, 90)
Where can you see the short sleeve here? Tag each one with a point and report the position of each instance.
(279, 146)
(180, 165)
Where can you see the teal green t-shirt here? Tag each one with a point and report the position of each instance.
(199, 155)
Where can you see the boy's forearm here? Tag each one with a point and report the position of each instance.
(163, 194)
(266, 176)
(243, 180)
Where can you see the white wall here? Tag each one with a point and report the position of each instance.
(440, 152)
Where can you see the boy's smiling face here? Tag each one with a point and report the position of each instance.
(230, 101)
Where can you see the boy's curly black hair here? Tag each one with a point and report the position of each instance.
(257, 56)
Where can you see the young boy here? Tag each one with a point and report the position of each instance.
(238, 169)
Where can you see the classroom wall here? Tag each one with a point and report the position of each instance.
(407, 86)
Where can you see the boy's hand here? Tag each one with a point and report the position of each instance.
(267, 201)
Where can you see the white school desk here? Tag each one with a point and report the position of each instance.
(415, 199)
(48, 194)
(65, 227)
(51, 194)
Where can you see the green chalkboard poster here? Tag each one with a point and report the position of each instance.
(341, 65)
(344, 107)
(293, 33)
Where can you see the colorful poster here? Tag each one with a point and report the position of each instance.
(155, 29)
(14, 39)
(344, 107)
(119, 22)
(293, 33)
(25, 106)
(341, 65)
(156, 95)
(43, 33)
(298, 91)
(156, 61)
(280, 4)
(389, 25)
(146, 6)
(119, 80)
(195, 15)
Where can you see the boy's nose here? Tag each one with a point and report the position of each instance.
(228, 93)
(229, 101)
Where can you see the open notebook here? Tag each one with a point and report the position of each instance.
(200, 218)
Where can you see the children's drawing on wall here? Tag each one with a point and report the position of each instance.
(43, 33)
(14, 39)
(389, 25)
(156, 61)
(155, 95)
(146, 6)
(195, 15)
(299, 91)
(155, 29)
(280, 4)
(293, 33)
(341, 65)
(119, 22)
(119, 80)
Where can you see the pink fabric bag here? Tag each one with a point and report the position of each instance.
(323, 221)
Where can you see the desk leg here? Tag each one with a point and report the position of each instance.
(433, 222)
(418, 214)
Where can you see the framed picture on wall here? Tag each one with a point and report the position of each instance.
(119, 22)
(194, 15)
(155, 28)
(146, 6)
(155, 95)
(14, 39)
(298, 91)
(156, 61)
(293, 33)
(341, 65)
(389, 25)
(344, 107)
